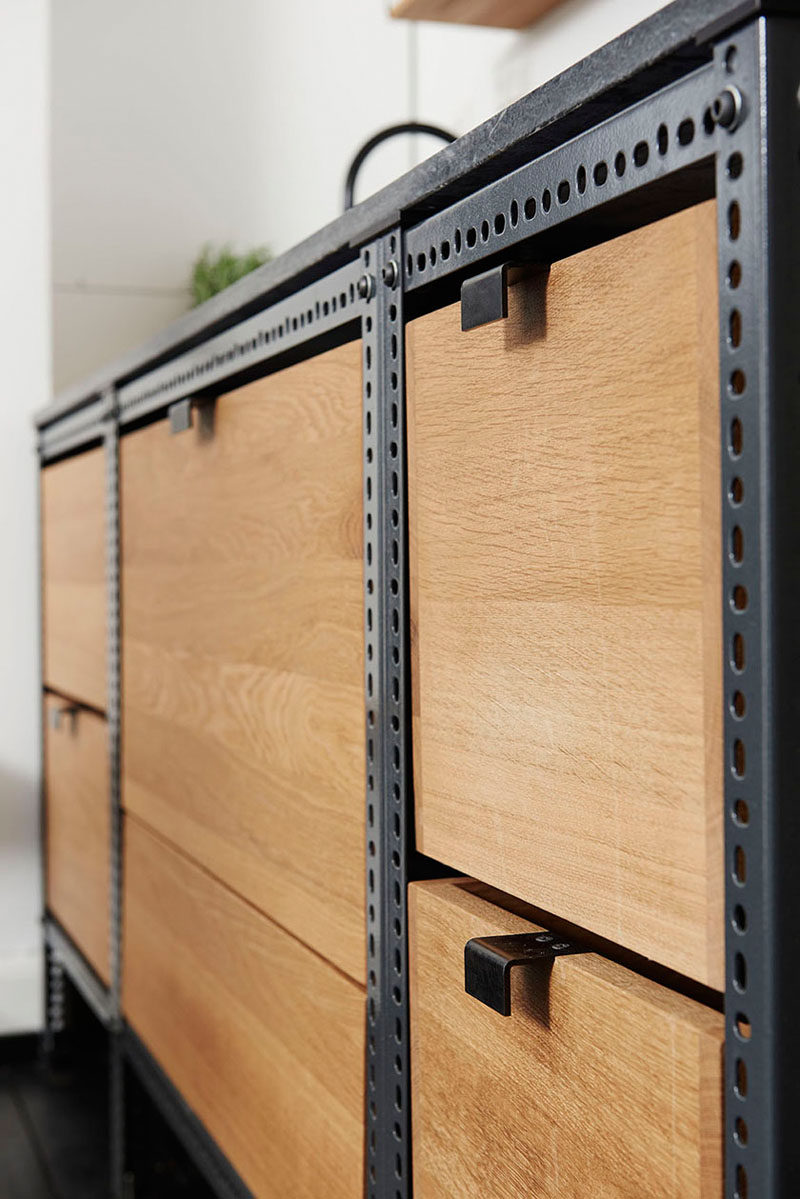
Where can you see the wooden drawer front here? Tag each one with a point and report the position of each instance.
(599, 1083)
(73, 569)
(565, 560)
(78, 828)
(264, 1040)
(243, 727)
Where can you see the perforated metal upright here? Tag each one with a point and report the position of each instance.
(387, 675)
(758, 197)
(113, 713)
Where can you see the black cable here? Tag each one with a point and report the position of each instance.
(381, 136)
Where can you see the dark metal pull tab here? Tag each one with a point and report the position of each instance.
(484, 298)
(180, 415)
(488, 962)
(67, 711)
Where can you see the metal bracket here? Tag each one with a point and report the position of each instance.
(55, 716)
(180, 415)
(488, 962)
(484, 298)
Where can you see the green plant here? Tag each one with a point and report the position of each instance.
(215, 270)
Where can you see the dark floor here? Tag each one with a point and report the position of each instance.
(53, 1127)
(54, 1113)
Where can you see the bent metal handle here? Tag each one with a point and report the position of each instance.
(488, 962)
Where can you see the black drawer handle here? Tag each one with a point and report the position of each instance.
(488, 962)
(180, 415)
(484, 297)
(57, 715)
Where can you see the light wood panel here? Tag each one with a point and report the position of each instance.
(78, 839)
(500, 14)
(599, 1083)
(264, 1040)
(566, 596)
(243, 724)
(73, 569)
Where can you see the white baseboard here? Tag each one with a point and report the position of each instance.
(22, 993)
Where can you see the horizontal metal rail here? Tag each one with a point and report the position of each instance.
(669, 131)
(76, 429)
(315, 312)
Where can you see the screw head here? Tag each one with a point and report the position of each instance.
(726, 108)
(366, 287)
(391, 273)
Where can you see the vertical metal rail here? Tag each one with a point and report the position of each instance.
(758, 201)
(116, 1070)
(53, 974)
(389, 830)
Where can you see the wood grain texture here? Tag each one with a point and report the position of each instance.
(264, 1040)
(599, 1084)
(243, 717)
(565, 573)
(500, 14)
(78, 830)
(73, 570)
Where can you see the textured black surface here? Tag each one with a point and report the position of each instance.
(53, 1118)
(186, 1155)
(650, 55)
(54, 1125)
(22, 1175)
(159, 1164)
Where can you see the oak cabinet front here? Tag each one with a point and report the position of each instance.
(242, 659)
(74, 577)
(564, 506)
(78, 833)
(264, 1040)
(599, 1083)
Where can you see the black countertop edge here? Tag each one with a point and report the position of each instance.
(649, 55)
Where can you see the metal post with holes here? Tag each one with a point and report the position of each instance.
(388, 1091)
(113, 708)
(758, 197)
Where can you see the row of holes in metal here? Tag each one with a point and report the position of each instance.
(641, 155)
(739, 600)
(113, 681)
(290, 324)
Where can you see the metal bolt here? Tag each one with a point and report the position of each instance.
(726, 109)
(391, 273)
(366, 287)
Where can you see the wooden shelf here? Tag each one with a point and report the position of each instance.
(501, 14)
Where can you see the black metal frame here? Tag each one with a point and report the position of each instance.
(64, 954)
(728, 126)
(758, 190)
(389, 820)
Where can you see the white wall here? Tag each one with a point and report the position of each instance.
(191, 121)
(24, 349)
(467, 74)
